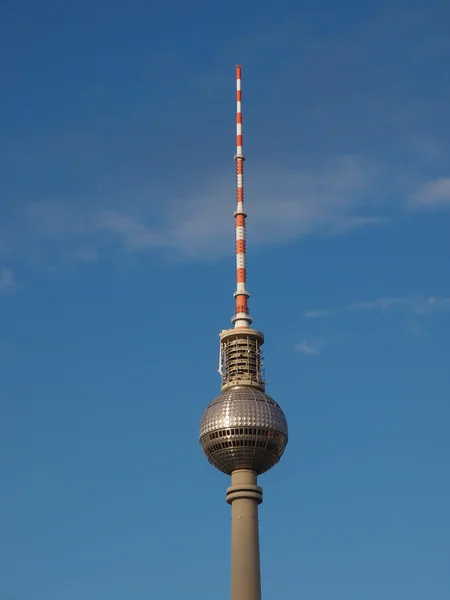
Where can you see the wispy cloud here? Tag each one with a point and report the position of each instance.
(416, 304)
(327, 200)
(314, 347)
(379, 303)
(311, 348)
(333, 198)
(432, 303)
(434, 194)
(7, 279)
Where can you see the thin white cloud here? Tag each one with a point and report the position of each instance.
(134, 233)
(7, 279)
(426, 305)
(283, 204)
(314, 347)
(311, 348)
(434, 194)
(379, 303)
(418, 305)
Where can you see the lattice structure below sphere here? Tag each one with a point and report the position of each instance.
(243, 428)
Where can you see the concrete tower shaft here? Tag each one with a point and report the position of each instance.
(245, 495)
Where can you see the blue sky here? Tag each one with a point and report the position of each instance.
(117, 273)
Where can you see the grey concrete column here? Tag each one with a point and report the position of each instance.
(244, 496)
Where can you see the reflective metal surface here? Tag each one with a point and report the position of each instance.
(243, 428)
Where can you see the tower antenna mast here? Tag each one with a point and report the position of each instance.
(241, 316)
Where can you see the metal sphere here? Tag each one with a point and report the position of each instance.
(243, 428)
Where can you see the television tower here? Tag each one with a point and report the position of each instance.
(243, 432)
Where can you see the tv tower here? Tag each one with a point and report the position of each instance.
(243, 432)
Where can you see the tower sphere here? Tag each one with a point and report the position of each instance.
(243, 428)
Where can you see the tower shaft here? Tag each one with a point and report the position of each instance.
(244, 495)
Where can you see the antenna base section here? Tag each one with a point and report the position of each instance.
(244, 317)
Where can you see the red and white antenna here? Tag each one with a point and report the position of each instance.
(241, 316)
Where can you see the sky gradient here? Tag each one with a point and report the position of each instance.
(117, 273)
